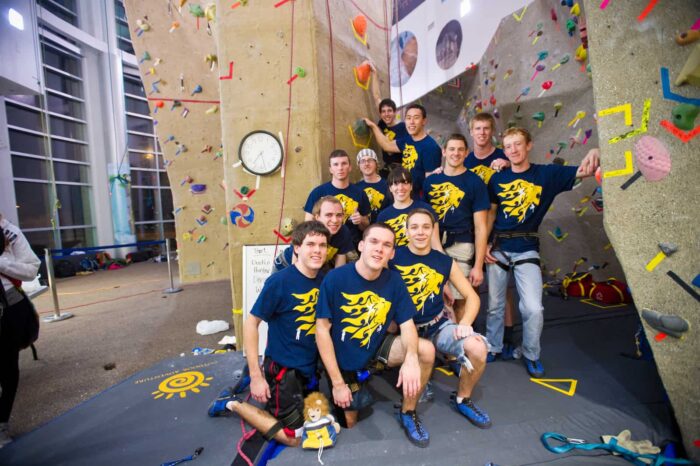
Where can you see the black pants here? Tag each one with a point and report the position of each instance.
(9, 355)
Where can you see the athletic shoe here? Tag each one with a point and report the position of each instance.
(472, 412)
(243, 382)
(218, 406)
(534, 368)
(507, 353)
(428, 394)
(491, 357)
(413, 428)
(4, 434)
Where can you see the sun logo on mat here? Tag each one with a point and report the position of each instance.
(180, 384)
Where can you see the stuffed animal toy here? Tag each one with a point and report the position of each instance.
(320, 427)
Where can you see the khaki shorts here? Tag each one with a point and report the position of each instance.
(462, 253)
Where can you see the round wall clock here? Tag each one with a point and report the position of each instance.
(260, 152)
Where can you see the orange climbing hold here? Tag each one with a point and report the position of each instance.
(359, 24)
(362, 75)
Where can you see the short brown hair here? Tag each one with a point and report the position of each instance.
(381, 225)
(483, 116)
(337, 153)
(399, 175)
(420, 210)
(517, 130)
(457, 137)
(316, 210)
(310, 227)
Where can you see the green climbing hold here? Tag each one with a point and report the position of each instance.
(196, 10)
(245, 190)
(360, 128)
(299, 71)
(684, 116)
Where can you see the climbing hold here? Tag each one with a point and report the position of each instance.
(146, 56)
(562, 61)
(547, 85)
(142, 26)
(196, 10)
(207, 209)
(174, 25)
(581, 53)
(301, 72)
(575, 10)
(212, 60)
(201, 220)
(287, 226)
(187, 179)
(653, 158)
(158, 104)
(570, 26)
(210, 12)
(671, 325)
(359, 28)
(198, 188)
(245, 190)
(211, 110)
(360, 128)
(540, 56)
(539, 117)
(668, 248)
(557, 107)
(599, 176)
(688, 37)
(684, 116)
(197, 89)
(362, 74)
(538, 68)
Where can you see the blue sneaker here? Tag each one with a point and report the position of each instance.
(472, 412)
(534, 368)
(428, 394)
(507, 353)
(243, 380)
(413, 428)
(491, 357)
(218, 406)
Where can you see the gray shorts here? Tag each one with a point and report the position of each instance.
(445, 342)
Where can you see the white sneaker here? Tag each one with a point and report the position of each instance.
(4, 434)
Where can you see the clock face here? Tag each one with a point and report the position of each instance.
(260, 153)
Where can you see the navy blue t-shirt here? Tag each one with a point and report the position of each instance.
(419, 157)
(455, 199)
(425, 277)
(341, 243)
(392, 133)
(482, 167)
(378, 195)
(352, 198)
(287, 303)
(396, 219)
(523, 200)
(360, 312)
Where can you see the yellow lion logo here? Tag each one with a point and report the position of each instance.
(367, 313)
(398, 224)
(423, 283)
(518, 197)
(330, 253)
(307, 309)
(350, 205)
(375, 198)
(444, 197)
(483, 172)
(389, 134)
(410, 156)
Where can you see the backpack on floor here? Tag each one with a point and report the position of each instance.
(577, 284)
(611, 291)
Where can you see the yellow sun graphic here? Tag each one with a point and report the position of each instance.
(180, 384)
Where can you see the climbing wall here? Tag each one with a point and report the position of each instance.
(292, 74)
(176, 50)
(647, 124)
(534, 75)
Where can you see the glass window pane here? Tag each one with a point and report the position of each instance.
(75, 205)
(78, 237)
(137, 160)
(137, 106)
(65, 106)
(164, 181)
(143, 178)
(169, 229)
(166, 199)
(67, 128)
(119, 10)
(27, 143)
(70, 172)
(52, 6)
(140, 142)
(61, 83)
(134, 86)
(61, 61)
(143, 203)
(123, 30)
(139, 124)
(125, 46)
(148, 232)
(25, 167)
(20, 116)
(40, 240)
(33, 207)
(68, 150)
(32, 100)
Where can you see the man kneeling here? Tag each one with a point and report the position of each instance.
(287, 303)
(356, 304)
(425, 272)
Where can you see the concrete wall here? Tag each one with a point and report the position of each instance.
(626, 57)
(182, 51)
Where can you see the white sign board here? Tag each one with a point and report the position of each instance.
(257, 266)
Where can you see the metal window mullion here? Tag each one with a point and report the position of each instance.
(61, 72)
(22, 129)
(67, 139)
(66, 117)
(64, 95)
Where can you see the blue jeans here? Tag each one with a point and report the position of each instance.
(528, 281)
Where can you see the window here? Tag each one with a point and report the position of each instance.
(64, 9)
(33, 207)
(31, 168)
(123, 34)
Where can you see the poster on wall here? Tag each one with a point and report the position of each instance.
(257, 266)
(434, 41)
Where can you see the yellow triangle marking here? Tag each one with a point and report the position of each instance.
(570, 392)
(445, 371)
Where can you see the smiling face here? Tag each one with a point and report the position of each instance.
(481, 131)
(455, 152)
(368, 166)
(340, 168)
(311, 254)
(387, 114)
(331, 215)
(377, 248)
(517, 148)
(415, 122)
(401, 190)
(419, 229)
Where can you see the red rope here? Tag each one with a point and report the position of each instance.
(289, 126)
(244, 438)
(330, 46)
(398, 57)
(383, 28)
(386, 34)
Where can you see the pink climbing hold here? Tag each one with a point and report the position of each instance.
(653, 158)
